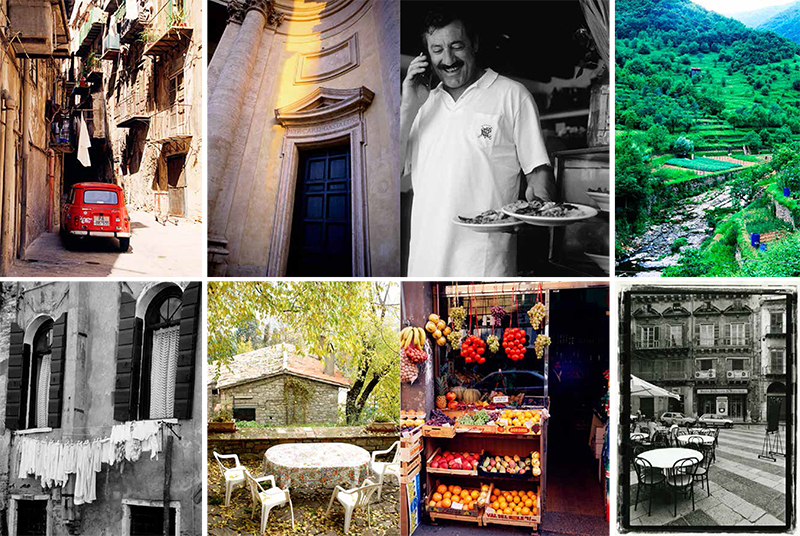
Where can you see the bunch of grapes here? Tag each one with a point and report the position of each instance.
(493, 342)
(542, 341)
(498, 313)
(536, 314)
(472, 349)
(454, 338)
(457, 316)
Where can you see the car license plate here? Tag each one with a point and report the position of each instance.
(101, 220)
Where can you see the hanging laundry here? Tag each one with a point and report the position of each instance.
(84, 142)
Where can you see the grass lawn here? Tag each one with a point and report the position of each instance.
(701, 164)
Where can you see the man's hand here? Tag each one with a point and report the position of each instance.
(414, 96)
(541, 183)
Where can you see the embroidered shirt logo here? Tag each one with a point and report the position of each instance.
(486, 132)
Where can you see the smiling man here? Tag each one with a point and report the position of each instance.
(466, 143)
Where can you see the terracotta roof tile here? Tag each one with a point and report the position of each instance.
(271, 360)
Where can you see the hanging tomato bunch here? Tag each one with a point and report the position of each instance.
(514, 340)
(472, 349)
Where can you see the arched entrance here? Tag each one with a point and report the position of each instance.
(778, 389)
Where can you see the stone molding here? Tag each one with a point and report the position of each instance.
(324, 117)
(267, 8)
(236, 12)
(340, 58)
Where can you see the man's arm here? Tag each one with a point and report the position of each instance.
(541, 183)
(414, 96)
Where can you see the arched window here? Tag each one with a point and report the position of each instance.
(38, 386)
(160, 355)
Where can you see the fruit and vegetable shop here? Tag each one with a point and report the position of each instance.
(504, 405)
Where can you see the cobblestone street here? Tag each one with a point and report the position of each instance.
(745, 490)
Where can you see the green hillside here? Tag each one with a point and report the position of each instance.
(692, 87)
(757, 17)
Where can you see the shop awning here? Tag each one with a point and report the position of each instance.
(641, 388)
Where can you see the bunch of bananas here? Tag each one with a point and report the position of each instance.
(411, 336)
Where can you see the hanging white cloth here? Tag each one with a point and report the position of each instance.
(84, 143)
(164, 367)
(43, 392)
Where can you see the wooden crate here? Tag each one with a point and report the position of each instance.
(405, 467)
(408, 454)
(532, 521)
(439, 431)
(475, 429)
(458, 472)
(436, 516)
(407, 474)
(411, 438)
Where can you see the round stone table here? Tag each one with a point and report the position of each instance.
(315, 466)
(666, 458)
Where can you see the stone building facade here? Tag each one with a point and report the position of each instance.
(138, 71)
(711, 348)
(277, 386)
(74, 358)
(303, 139)
(35, 44)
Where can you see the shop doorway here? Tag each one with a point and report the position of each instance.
(777, 389)
(31, 517)
(321, 242)
(647, 406)
(579, 330)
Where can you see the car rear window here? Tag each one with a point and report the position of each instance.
(100, 197)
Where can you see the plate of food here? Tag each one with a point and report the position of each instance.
(599, 196)
(490, 221)
(549, 213)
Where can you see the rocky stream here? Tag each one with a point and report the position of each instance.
(651, 252)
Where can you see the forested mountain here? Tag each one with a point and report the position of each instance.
(785, 23)
(757, 17)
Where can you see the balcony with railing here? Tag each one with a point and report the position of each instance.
(110, 45)
(132, 111)
(171, 125)
(714, 343)
(167, 29)
(94, 21)
(775, 369)
(130, 25)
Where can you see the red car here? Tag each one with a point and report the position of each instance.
(96, 209)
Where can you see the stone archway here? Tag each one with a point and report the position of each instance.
(324, 117)
(778, 389)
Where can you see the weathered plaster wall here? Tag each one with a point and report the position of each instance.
(93, 311)
(255, 158)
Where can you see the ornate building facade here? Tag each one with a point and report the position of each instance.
(722, 352)
(303, 134)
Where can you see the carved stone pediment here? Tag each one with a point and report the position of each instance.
(323, 105)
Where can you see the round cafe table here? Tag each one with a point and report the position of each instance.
(706, 440)
(317, 465)
(666, 458)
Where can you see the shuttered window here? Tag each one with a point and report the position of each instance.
(156, 355)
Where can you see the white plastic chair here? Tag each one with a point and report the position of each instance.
(234, 476)
(269, 498)
(384, 469)
(352, 499)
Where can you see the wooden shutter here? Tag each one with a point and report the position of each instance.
(747, 331)
(58, 351)
(17, 358)
(656, 337)
(129, 353)
(728, 334)
(697, 333)
(716, 333)
(187, 346)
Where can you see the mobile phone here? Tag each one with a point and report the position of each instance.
(426, 78)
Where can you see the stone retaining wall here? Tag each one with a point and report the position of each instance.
(783, 213)
(253, 442)
(700, 184)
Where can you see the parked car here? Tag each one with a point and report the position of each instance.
(671, 417)
(514, 381)
(712, 419)
(95, 209)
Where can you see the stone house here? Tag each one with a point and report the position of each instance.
(137, 77)
(35, 36)
(79, 361)
(303, 123)
(276, 385)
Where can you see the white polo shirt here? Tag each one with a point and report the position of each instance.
(465, 157)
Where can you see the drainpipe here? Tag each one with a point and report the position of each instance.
(6, 117)
(9, 186)
(51, 163)
(26, 150)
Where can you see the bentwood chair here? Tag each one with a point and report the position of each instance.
(269, 498)
(647, 477)
(352, 499)
(384, 469)
(680, 477)
(702, 468)
(233, 476)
